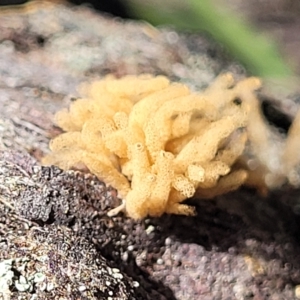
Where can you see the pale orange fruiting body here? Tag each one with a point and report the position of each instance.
(156, 142)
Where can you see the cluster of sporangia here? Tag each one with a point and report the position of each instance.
(158, 143)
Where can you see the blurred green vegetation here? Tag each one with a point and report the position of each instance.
(257, 52)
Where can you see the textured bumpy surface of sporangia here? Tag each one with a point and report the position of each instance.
(158, 143)
(155, 141)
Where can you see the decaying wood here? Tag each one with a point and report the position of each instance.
(53, 221)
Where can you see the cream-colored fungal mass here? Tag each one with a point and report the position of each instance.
(158, 143)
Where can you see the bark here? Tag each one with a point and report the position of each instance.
(56, 241)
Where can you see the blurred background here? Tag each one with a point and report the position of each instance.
(264, 35)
